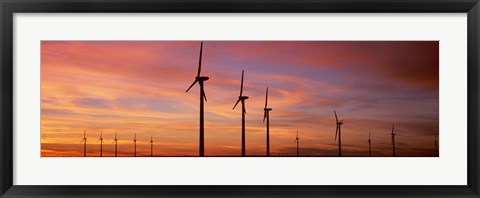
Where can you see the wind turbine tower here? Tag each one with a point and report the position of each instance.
(151, 146)
(84, 140)
(393, 139)
(101, 143)
(242, 98)
(297, 139)
(115, 141)
(135, 145)
(200, 80)
(266, 115)
(369, 145)
(339, 131)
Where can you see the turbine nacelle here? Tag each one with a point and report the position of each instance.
(267, 109)
(242, 97)
(202, 78)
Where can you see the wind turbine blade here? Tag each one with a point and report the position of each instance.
(241, 85)
(82, 140)
(266, 98)
(236, 104)
(200, 60)
(264, 115)
(191, 86)
(243, 107)
(97, 141)
(204, 95)
(336, 131)
(336, 118)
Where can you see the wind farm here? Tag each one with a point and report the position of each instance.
(125, 89)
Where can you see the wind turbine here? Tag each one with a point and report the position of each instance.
(151, 146)
(101, 142)
(369, 145)
(135, 145)
(84, 140)
(297, 140)
(436, 146)
(393, 138)
(339, 131)
(266, 115)
(200, 80)
(242, 99)
(115, 141)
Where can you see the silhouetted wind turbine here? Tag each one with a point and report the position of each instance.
(151, 146)
(369, 145)
(339, 131)
(84, 140)
(436, 145)
(101, 143)
(115, 141)
(266, 115)
(135, 145)
(297, 140)
(200, 80)
(242, 99)
(393, 139)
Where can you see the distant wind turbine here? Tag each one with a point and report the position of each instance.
(369, 145)
(339, 131)
(151, 146)
(242, 99)
(101, 143)
(115, 141)
(297, 139)
(436, 146)
(84, 140)
(135, 145)
(200, 80)
(393, 139)
(266, 115)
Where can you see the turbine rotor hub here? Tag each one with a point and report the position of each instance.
(242, 97)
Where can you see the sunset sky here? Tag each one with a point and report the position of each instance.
(139, 86)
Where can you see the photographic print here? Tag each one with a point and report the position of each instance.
(240, 99)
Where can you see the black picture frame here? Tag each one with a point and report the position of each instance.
(10, 7)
